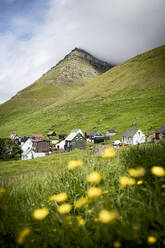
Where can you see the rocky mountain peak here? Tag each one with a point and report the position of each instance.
(83, 55)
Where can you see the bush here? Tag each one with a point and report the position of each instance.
(9, 150)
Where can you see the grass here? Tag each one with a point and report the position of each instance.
(140, 208)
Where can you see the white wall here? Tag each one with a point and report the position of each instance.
(139, 138)
(26, 145)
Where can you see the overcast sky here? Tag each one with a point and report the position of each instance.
(36, 34)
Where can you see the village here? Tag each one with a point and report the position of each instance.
(35, 146)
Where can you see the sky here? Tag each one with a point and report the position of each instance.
(36, 34)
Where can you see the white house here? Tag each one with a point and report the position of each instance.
(133, 137)
(26, 145)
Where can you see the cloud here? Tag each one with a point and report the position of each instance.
(113, 30)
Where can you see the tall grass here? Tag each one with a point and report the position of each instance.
(139, 209)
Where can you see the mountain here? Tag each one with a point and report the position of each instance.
(71, 72)
(81, 92)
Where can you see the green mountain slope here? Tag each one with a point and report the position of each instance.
(75, 93)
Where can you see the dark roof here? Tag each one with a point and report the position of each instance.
(92, 134)
(161, 130)
(25, 138)
(130, 132)
(111, 131)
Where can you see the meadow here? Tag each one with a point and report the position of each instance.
(79, 200)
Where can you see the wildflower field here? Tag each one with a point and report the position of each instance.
(79, 200)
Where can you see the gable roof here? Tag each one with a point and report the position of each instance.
(77, 131)
(130, 132)
(161, 130)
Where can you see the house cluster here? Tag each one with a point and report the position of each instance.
(32, 146)
(35, 146)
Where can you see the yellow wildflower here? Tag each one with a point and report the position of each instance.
(126, 181)
(116, 244)
(61, 197)
(140, 182)
(138, 172)
(94, 177)
(40, 213)
(73, 164)
(64, 208)
(163, 186)
(80, 221)
(81, 202)
(22, 235)
(2, 190)
(151, 239)
(158, 171)
(94, 192)
(106, 216)
(108, 153)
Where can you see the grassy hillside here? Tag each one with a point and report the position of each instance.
(130, 93)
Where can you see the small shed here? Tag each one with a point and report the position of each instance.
(160, 133)
(133, 137)
(74, 141)
(98, 139)
(110, 132)
(51, 133)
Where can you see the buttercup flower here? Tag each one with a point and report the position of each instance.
(158, 171)
(80, 221)
(73, 164)
(106, 216)
(94, 192)
(117, 244)
(40, 213)
(138, 172)
(64, 208)
(151, 239)
(94, 177)
(22, 235)
(126, 181)
(140, 182)
(2, 190)
(61, 197)
(81, 202)
(108, 153)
